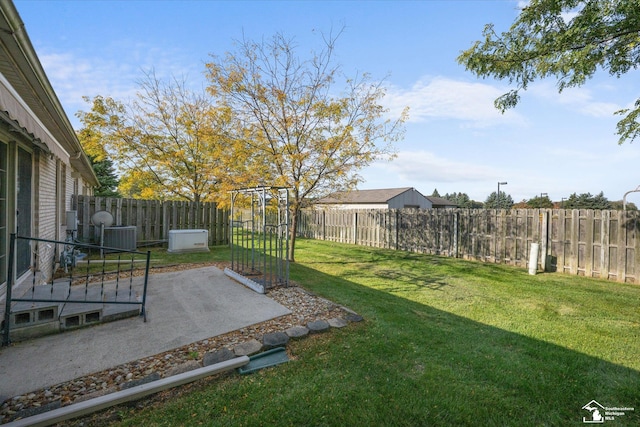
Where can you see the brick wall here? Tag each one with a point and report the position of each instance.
(46, 215)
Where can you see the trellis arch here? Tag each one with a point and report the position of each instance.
(259, 237)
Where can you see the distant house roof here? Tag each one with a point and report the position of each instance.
(440, 202)
(364, 196)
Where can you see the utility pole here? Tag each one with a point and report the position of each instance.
(541, 196)
(498, 195)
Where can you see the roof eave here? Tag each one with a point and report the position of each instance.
(50, 110)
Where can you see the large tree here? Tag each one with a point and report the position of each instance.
(566, 39)
(168, 143)
(91, 141)
(300, 128)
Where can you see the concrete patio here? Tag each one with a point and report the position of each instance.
(182, 307)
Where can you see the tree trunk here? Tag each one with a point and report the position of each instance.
(293, 231)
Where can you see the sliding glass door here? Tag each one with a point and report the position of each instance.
(23, 214)
(3, 213)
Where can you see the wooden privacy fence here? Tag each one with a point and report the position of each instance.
(592, 243)
(153, 219)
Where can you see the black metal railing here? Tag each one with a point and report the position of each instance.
(260, 255)
(75, 276)
(259, 235)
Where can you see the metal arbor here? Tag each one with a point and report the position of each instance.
(259, 225)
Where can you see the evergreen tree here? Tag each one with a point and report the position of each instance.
(587, 201)
(463, 200)
(106, 177)
(540, 202)
(505, 201)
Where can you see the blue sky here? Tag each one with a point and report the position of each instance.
(455, 140)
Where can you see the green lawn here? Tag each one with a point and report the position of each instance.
(444, 342)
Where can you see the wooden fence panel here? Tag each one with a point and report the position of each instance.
(592, 243)
(153, 219)
(596, 243)
(628, 241)
(476, 235)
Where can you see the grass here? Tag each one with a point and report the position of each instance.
(159, 257)
(444, 342)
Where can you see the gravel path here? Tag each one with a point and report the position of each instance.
(305, 308)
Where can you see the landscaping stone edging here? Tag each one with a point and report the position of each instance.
(151, 368)
(269, 341)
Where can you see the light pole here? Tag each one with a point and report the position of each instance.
(498, 197)
(541, 196)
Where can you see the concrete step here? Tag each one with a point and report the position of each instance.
(30, 319)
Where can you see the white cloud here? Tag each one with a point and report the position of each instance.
(112, 71)
(73, 77)
(578, 99)
(576, 155)
(426, 166)
(445, 98)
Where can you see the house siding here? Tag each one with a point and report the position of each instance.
(392, 198)
(410, 198)
(32, 120)
(53, 191)
(47, 220)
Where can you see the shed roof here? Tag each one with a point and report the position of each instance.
(364, 196)
(439, 201)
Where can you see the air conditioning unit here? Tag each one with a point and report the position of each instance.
(120, 237)
(188, 241)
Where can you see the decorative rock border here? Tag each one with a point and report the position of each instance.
(184, 359)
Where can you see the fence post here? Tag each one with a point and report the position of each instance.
(355, 228)
(575, 239)
(324, 225)
(456, 233)
(621, 269)
(635, 225)
(86, 218)
(396, 229)
(544, 238)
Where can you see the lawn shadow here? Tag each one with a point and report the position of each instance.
(433, 283)
(438, 368)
